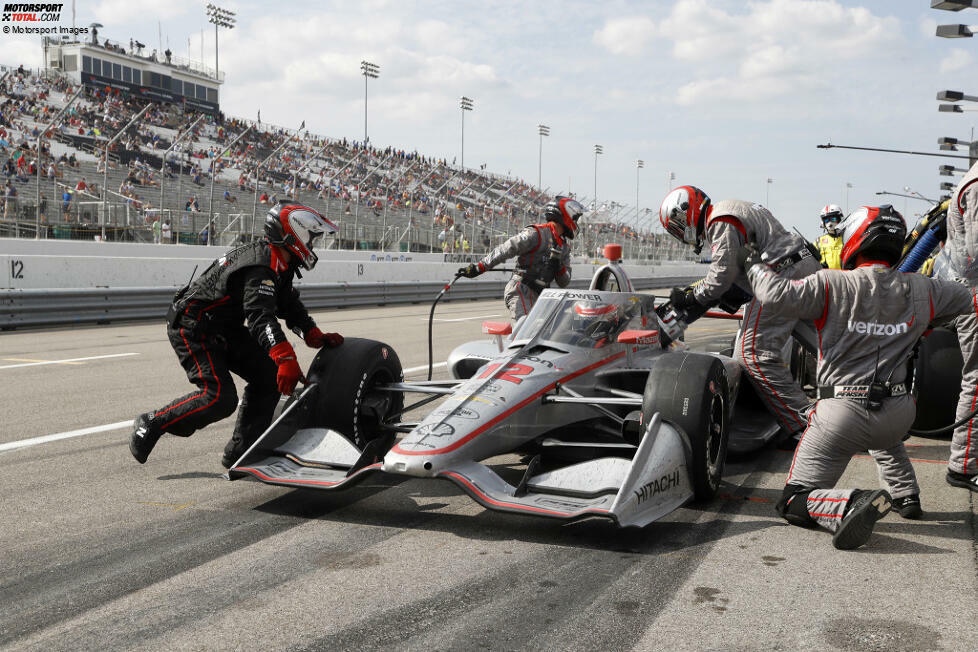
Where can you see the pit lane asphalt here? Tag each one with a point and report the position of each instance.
(100, 552)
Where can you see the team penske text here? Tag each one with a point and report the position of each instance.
(872, 328)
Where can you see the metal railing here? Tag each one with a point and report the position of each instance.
(59, 307)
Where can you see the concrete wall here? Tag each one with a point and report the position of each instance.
(49, 264)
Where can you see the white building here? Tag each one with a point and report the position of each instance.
(155, 75)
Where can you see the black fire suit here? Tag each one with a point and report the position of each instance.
(207, 328)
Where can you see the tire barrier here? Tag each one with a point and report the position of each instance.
(40, 308)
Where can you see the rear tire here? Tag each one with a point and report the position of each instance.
(347, 376)
(690, 391)
(937, 380)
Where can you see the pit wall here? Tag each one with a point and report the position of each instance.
(53, 264)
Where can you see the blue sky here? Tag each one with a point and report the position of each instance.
(724, 94)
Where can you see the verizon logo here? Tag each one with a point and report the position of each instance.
(872, 328)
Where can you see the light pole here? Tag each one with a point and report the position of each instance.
(767, 198)
(543, 130)
(914, 195)
(848, 185)
(638, 166)
(369, 71)
(669, 180)
(598, 149)
(464, 103)
(220, 18)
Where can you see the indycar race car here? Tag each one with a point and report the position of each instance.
(613, 414)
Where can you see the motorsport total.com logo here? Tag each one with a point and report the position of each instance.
(31, 13)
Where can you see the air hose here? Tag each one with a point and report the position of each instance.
(431, 319)
(943, 429)
(921, 251)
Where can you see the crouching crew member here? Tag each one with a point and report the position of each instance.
(251, 284)
(727, 226)
(868, 320)
(543, 256)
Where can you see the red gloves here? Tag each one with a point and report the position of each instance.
(316, 339)
(289, 372)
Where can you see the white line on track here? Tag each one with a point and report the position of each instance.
(463, 318)
(119, 425)
(94, 357)
(411, 370)
(24, 443)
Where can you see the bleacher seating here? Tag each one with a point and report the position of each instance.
(380, 197)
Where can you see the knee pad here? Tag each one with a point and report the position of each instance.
(793, 506)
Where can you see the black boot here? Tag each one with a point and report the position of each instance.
(144, 437)
(254, 417)
(862, 512)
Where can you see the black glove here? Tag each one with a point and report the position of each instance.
(471, 271)
(683, 298)
(748, 256)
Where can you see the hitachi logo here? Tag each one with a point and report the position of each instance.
(870, 328)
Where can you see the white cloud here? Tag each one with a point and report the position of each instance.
(928, 27)
(956, 59)
(774, 48)
(625, 35)
(121, 11)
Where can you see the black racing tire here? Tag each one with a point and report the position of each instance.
(803, 367)
(347, 401)
(937, 379)
(690, 391)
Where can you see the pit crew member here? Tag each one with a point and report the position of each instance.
(226, 321)
(727, 226)
(868, 318)
(958, 260)
(542, 254)
(830, 244)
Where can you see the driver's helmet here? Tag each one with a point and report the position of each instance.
(296, 227)
(596, 320)
(831, 216)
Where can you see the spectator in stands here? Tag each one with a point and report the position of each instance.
(66, 204)
(157, 230)
(229, 198)
(81, 185)
(264, 198)
(166, 232)
(10, 200)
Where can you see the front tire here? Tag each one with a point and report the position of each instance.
(348, 400)
(937, 379)
(690, 391)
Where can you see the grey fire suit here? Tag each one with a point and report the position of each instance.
(765, 329)
(959, 260)
(864, 315)
(542, 258)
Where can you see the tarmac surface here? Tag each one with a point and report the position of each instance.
(99, 552)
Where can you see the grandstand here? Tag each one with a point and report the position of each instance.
(212, 192)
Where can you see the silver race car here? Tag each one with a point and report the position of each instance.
(611, 412)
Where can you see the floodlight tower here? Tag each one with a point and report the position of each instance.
(369, 71)
(220, 18)
(465, 104)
